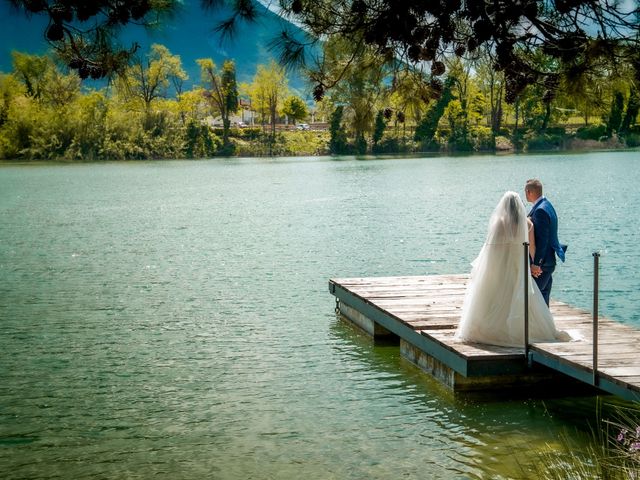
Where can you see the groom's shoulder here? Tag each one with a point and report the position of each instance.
(546, 203)
(547, 207)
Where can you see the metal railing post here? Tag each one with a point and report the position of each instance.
(596, 262)
(526, 301)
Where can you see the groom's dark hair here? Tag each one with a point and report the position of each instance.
(534, 185)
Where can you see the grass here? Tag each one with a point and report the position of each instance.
(613, 453)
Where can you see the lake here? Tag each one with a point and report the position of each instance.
(172, 319)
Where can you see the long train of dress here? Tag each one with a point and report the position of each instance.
(493, 308)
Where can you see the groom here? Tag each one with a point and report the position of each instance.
(545, 226)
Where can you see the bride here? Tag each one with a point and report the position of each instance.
(493, 308)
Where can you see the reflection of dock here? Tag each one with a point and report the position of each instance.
(424, 312)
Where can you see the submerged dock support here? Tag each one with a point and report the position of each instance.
(508, 372)
(423, 313)
(377, 331)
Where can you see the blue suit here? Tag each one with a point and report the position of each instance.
(545, 224)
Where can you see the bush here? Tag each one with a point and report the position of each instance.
(390, 145)
(544, 141)
(592, 132)
(429, 146)
(248, 133)
(200, 141)
(632, 139)
(561, 131)
(288, 143)
(461, 145)
(483, 138)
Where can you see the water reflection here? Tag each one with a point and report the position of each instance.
(492, 434)
(172, 319)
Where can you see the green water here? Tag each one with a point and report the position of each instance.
(172, 319)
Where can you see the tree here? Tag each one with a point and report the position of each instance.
(491, 86)
(631, 113)
(221, 90)
(426, 129)
(147, 80)
(379, 128)
(295, 108)
(10, 88)
(338, 138)
(615, 117)
(458, 110)
(422, 33)
(360, 86)
(411, 93)
(32, 71)
(267, 92)
(84, 33)
(43, 81)
(588, 92)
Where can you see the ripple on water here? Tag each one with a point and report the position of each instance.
(172, 319)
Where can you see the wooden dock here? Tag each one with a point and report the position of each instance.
(424, 311)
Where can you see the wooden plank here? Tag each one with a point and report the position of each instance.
(627, 356)
(621, 371)
(431, 307)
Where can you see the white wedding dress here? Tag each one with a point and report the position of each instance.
(493, 308)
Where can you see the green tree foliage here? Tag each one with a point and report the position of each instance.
(631, 113)
(466, 108)
(379, 128)
(426, 129)
(230, 86)
(221, 90)
(615, 117)
(200, 142)
(43, 81)
(268, 91)
(295, 108)
(424, 32)
(84, 33)
(9, 89)
(32, 71)
(45, 115)
(491, 86)
(148, 79)
(338, 137)
(360, 87)
(412, 93)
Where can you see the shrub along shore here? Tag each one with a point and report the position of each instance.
(198, 141)
(47, 113)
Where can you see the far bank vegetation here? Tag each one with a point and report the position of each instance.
(48, 113)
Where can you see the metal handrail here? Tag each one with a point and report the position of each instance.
(596, 267)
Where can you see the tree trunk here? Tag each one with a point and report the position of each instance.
(226, 123)
(496, 111)
(547, 116)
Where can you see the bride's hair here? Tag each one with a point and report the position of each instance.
(508, 221)
(512, 216)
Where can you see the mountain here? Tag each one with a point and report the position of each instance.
(190, 34)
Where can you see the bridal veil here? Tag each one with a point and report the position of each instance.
(493, 308)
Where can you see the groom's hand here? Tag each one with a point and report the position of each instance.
(536, 271)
